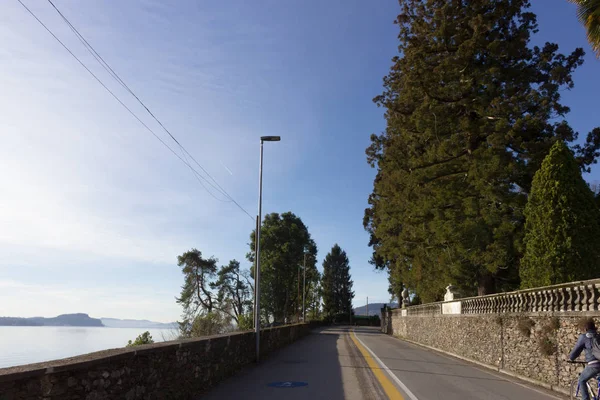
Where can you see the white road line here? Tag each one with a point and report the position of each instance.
(384, 367)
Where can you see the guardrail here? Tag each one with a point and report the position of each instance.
(572, 296)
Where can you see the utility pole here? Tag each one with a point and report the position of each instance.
(298, 308)
(304, 292)
(255, 273)
(367, 306)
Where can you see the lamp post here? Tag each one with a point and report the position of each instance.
(257, 275)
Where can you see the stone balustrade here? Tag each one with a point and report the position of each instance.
(573, 296)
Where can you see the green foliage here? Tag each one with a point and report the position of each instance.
(471, 112)
(212, 323)
(195, 292)
(563, 224)
(336, 283)
(588, 12)
(211, 299)
(313, 300)
(144, 338)
(284, 241)
(234, 291)
(245, 322)
(363, 320)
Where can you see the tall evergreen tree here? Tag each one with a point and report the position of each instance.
(337, 283)
(562, 232)
(283, 242)
(471, 112)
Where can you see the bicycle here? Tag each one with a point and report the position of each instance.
(575, 389)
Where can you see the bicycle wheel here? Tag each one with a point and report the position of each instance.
(576, 391)
(593, 388)
(575, 394)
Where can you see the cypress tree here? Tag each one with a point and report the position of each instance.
(471, 112)
(337, 283)
(562, 231)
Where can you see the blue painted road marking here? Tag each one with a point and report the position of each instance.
(287, 384)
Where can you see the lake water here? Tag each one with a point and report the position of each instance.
(30, 344)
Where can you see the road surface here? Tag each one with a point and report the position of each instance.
(344, 363)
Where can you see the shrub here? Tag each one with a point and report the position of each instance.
(524, 326)
(144, 338)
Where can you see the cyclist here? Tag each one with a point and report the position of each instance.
(593, 365)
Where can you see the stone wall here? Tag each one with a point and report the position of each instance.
(533, 346)
(172, 370)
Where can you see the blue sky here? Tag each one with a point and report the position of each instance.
(94, 211)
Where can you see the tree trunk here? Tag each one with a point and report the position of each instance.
(487, 283)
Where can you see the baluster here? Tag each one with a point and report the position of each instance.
(510, 302)
(487, 308)
(570, 298)
(585, 296)
(514, 302)
(520, 303)
(547, 300)
(554, 300)
(504, 304)
(577, 302)
(591, 298)
(538, 302)
(542, 300)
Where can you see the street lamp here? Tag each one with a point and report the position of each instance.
(257, 283)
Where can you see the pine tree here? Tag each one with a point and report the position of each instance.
(284, 241)
(563, 224)
(337, 283)
(471, 112)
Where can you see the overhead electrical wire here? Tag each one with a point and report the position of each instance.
(116, 76)
(107, 67)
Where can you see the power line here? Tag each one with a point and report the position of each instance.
(196, 173)
(116, 76)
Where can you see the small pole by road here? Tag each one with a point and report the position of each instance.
(304, 292)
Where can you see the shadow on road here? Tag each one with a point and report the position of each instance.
(314, 359)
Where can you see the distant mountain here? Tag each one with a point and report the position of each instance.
(62, 320)
(136, 323)
(374, 309)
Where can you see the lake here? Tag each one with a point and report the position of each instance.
(31, 344)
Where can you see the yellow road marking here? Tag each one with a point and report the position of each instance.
(388, 387)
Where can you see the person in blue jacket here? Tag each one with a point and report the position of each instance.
(593, 365)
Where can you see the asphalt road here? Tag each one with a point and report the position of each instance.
(337, 363)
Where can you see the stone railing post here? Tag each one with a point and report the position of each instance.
(577, 303)
(592, 298)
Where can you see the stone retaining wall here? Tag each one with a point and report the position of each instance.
(533, 346)
(181, 369)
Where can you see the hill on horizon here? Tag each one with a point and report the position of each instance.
(137, 323)
(77, 319)
(374, 308)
